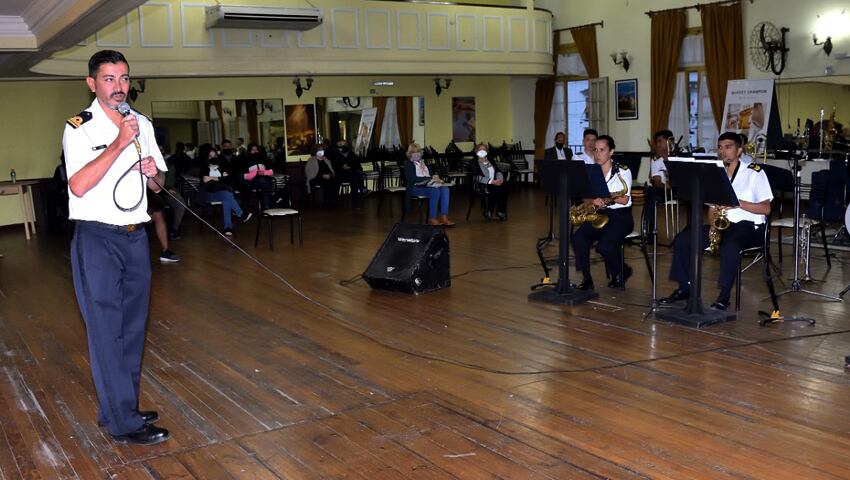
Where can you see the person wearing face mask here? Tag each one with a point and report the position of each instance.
(609, 239)
(559, 151)
(225, 157)
(348, 170)
(320, 173)
(216, 185)
(255, 172)
(421, 182)
(487, 176)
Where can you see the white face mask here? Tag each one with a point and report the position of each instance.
(416, 156)
(320, 153)
(481, 153)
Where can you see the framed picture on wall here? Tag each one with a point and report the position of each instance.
(421, 111)
(300, 128)
(627, 99)
(463, 119)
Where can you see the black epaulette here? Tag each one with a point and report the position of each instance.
(620, 166)
(79, 119)
(755, 166)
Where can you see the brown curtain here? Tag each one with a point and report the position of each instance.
(723, 42)
(322, 116)
(544, 92)
(404, 111)
(218, 111)
(380, 104)
(585, 39)
(253, 127)
(668, 31)
(543, 95)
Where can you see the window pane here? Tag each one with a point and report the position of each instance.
(578, 111)
(556, 115)
(693, 109)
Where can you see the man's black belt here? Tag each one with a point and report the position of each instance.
(115, 228)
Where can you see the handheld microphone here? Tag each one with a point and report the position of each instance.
(124, 109)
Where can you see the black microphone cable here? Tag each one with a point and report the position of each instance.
(612, 363)
(124, 109)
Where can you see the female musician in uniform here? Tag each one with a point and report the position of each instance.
(611, 236)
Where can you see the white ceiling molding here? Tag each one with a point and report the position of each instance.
(32, 30)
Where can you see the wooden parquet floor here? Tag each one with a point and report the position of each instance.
(254, 381)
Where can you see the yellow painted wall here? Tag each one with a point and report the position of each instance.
(35, 112)
(168, 38)
(34, 115)
(804, 100)
(628, 28)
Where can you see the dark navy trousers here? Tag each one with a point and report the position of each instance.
(112, 278)
(737, 237)
(609, 240)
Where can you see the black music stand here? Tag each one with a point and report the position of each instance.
(566, 179)
(692, 179)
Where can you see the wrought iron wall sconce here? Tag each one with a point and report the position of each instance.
(299, 90)
(827, 44)
(621, 58)
(438, 88)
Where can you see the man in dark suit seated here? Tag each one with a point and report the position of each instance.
(559, 151)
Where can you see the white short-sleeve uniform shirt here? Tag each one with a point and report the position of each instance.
(86, 142)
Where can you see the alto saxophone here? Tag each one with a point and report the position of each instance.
(719, 223)
(588, 212)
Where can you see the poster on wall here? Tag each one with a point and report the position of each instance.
(364, 131)
(748, 107)
(627, 99)
(463, 119)
(300, 129)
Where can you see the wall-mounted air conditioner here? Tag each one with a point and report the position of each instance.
(263, 18)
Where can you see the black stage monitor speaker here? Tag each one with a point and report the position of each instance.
(413, 259)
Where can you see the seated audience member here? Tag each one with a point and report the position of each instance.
(320, 173)
(589, 142)
(160, 227)
(420, 182)
(610, 237)
(258, 176)
(240, 147)
(348, 170)
(215, 185)
(490, 179)
(559, 151)
(174, 200)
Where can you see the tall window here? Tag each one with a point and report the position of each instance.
(578, 111)
(690, 115)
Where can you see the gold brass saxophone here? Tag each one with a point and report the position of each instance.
(588, 212)
(719, 223)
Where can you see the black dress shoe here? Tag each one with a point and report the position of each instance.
(586, 284)
(676, 296)
(147, 435)
(721, 304)
(619, 281)
(149, 416)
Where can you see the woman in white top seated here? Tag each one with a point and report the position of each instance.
(618, 208)
(487, 176)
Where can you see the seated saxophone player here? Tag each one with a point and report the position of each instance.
(746, 224)
(611, 235)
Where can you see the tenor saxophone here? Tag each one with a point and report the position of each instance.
(588, 212)
(719, 223)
